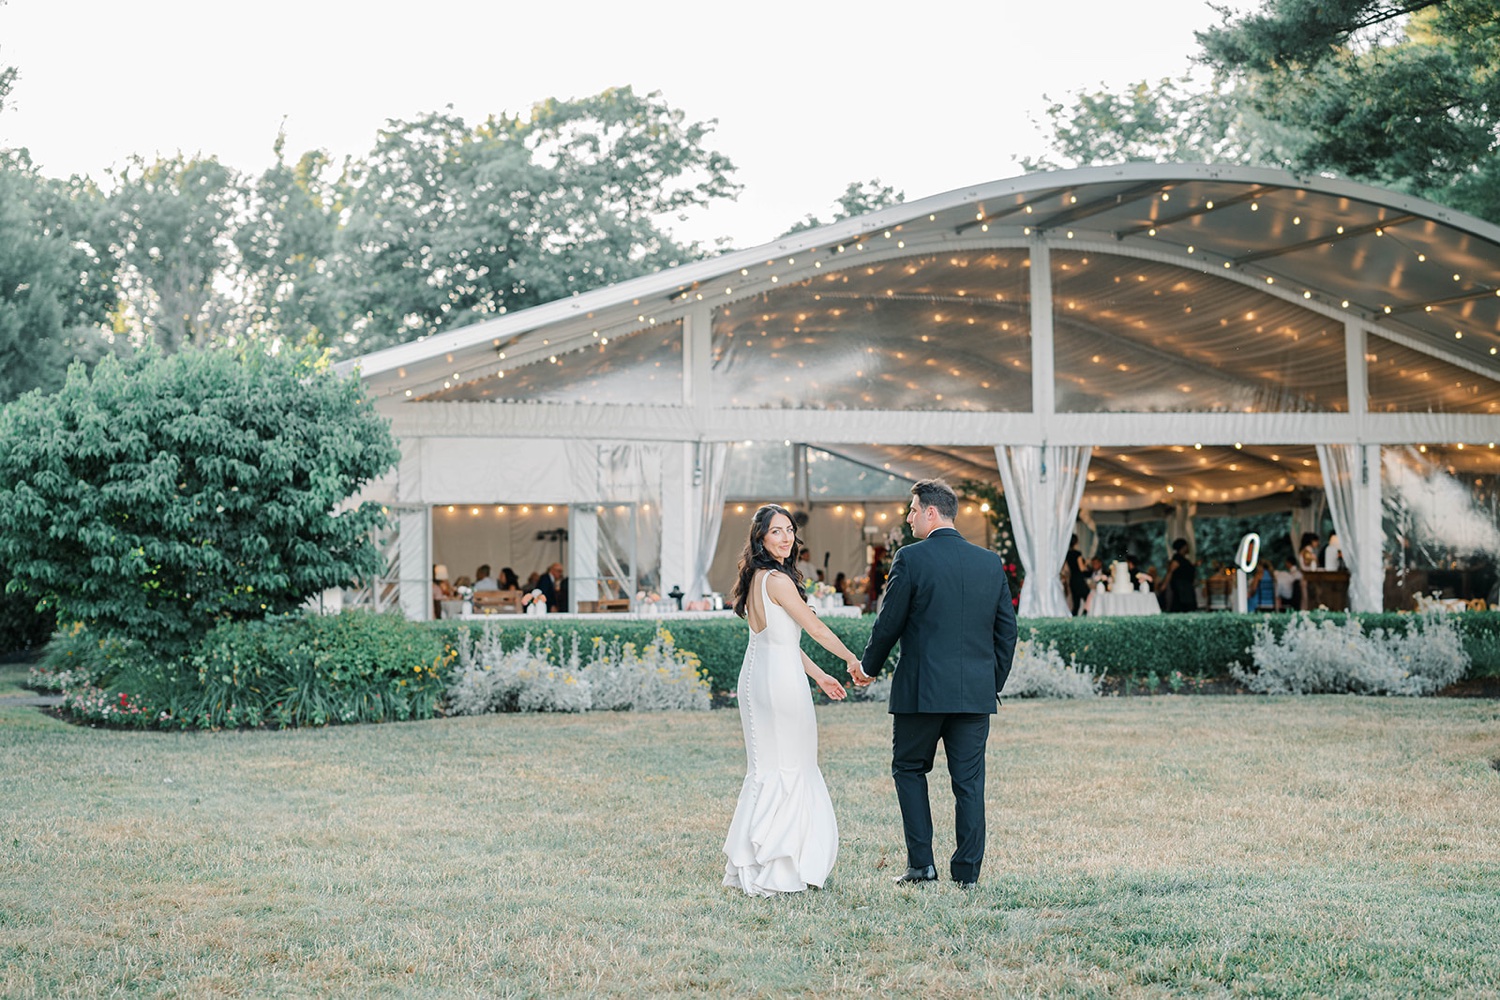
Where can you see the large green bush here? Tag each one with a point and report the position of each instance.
(158, 496)
(297, 670)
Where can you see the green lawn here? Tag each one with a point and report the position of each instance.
(1145, 847)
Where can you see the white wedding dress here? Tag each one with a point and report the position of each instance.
(783, 837)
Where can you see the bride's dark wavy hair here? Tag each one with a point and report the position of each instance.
(754, 557)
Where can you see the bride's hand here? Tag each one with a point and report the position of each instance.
(832, 688)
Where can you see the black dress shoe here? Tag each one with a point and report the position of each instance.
(927, 874)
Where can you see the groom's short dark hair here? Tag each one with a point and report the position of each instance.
(936, 493)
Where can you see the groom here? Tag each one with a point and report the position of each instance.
(949, 605)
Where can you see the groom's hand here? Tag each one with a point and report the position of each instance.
(860, 678)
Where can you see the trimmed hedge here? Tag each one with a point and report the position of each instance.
(1201, 645)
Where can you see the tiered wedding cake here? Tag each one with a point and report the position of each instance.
(1119, 581)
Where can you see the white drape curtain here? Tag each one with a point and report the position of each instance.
(1351, 482)
(713, 461)
(1180, 525)
(1043, 490)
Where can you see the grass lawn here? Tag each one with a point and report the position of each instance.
(1328, 846)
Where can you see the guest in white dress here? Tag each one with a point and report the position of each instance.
(783, 837)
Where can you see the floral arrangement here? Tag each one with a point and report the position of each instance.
(464, 593)
(1316, 657)
(617, 677)
(535, 597)
(647, 597)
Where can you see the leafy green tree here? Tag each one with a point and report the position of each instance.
(444, 224)
(167, 227)
(859, 198)
(286, 247)
(1175, 121)
(159, 495)
(1401, 92)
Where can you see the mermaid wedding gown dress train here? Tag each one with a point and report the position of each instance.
(783, 837)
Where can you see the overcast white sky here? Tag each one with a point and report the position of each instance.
(926, 96)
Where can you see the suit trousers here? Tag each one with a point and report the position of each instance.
(914, 741)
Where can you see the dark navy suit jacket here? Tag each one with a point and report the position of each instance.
(947, 602)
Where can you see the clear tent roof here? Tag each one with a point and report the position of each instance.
(1175, 289)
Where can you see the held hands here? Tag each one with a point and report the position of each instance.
(857, 674)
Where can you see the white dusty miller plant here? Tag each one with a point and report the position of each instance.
(617, 677)
(1037, 671)
(1330, 657)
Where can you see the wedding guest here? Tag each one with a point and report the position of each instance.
(804, 564)
(554, 587)
(841, 585)
(1289, 586)
(442, 590)
(461, 583)
(1180, 585)
(483, 580)
(508, 579)
(1261, 589)
(1078, 577)
(1307, 551)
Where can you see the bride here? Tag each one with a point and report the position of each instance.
(783, 837)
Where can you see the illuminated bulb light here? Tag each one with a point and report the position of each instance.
(1422, 257)
(1255, 206)
(979, 216)
(1028, 209)
(1380, 232)
(450, 508)
(1455, 277)
(1227, 265)
(1197, 447)
(932, 218)
(1171, 489)
(1191, 248)
(408, 392)
(1296, 220)
(1210, 205)
(1458, 334)
(744, 271)
(1238, 446)
(901, 244)
(1387, 309)
(984, 228)
(1344, 304)
(1151, 232)
(473, 511)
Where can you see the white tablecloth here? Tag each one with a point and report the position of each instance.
(1131, 602)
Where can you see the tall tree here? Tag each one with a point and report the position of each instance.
(859, 198)
(1401, 92)
(286, 246)
(54, 290)
(446, 223)
(1177, 120)
(167, 226)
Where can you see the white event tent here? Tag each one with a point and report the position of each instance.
(1144, 337)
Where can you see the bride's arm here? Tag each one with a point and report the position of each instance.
(780, 587)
